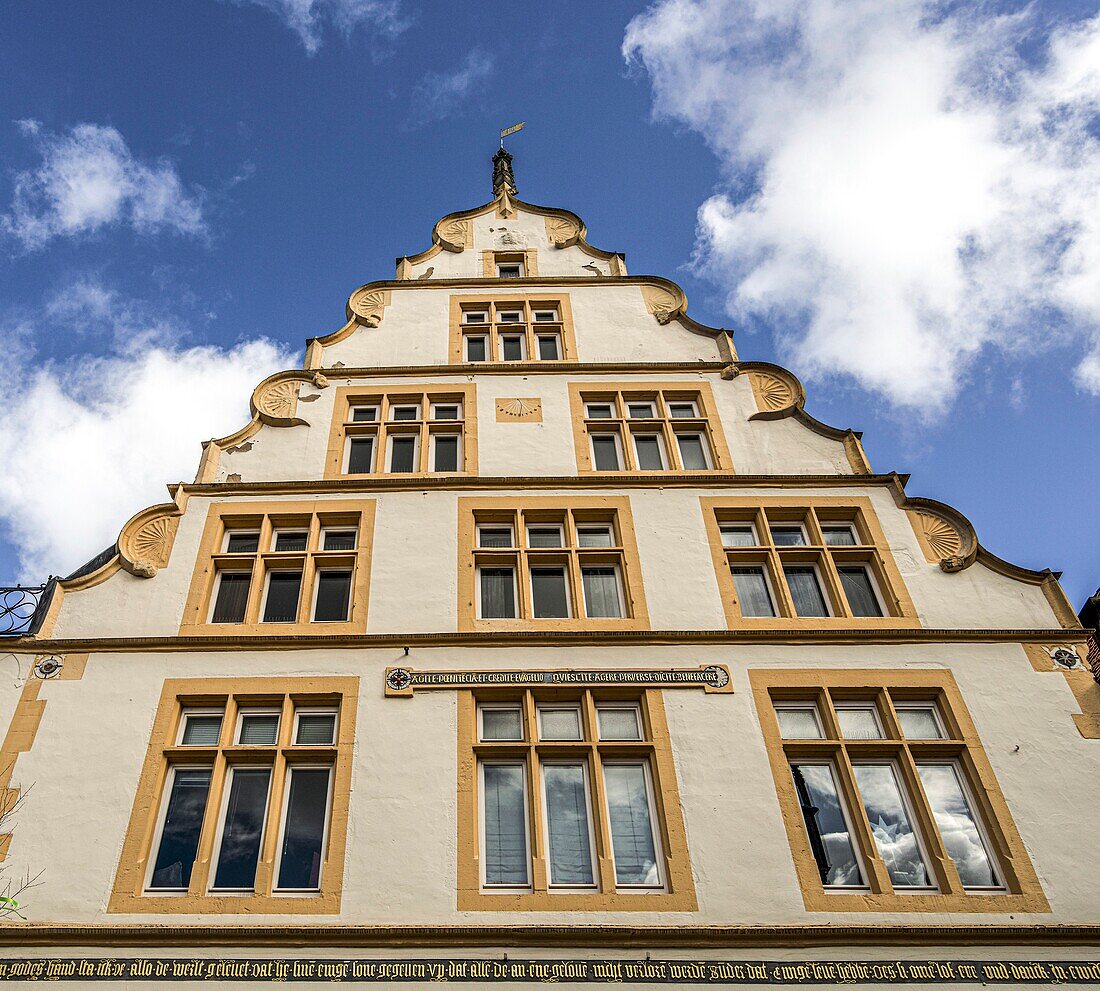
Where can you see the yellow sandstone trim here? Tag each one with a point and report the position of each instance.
(1024, 893)
(128, 894)
(527, 301)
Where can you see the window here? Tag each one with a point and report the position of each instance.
(666, 427)
(307, 570)
(211, 810)
(414, 431)
(510, 270)
(511, 328)
(782, 562)
(893, 792)
(537, 813)
(553, 565)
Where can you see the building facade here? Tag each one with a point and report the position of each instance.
(527, 633)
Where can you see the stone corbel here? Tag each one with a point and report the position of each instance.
(506, 207)
(145, 544)
(369, 305)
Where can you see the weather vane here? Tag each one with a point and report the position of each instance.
(511, 130)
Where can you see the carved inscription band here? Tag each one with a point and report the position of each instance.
(711, 677)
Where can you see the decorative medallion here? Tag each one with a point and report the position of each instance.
(941, 542)
(527, 410)
(398, 679)
(369, 305)
(1064, 658)
(145, 544)
(48, 667)
(280, 399)
(455, 235)
(662, 303)
(772, 392)
(562, 231)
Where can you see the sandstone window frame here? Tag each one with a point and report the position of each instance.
(265, 518)
(384, 399)
(528, 328)
(291, 696)
(654, 750)
(810, 512)
(572, 514)
(960, 745)
(661, 397)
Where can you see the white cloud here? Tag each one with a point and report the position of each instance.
(88, 179)
(439, 94)
(306, 17)
(88, 442)
(904, 190)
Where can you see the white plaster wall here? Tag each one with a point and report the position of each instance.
(414, 566)
(402, 846)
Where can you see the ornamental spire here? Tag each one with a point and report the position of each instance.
(503, 179)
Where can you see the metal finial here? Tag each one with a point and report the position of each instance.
(503, 179)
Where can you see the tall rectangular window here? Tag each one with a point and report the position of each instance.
(511, 328)
(333, 596)
(605, 452)
(302, 847)
(601, 592)
(283, 591)
(360, 455)
(179, 833)
(574, 786)
(498, 593)
(753, 594)
(242, 829)
(232, 597)
(549, 594)
(402, 454)
(445, 452)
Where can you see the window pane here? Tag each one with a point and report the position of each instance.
(691, 451)
(859, 591)
(894, 836)
(858, 723)
(838, 536)
(601, 592)
(179, 839)
(232, 597)
(549, 597)
(598, 411)
(830, 839)
(509, 316)
(619, 724)
(738, 536)
(475, 348)
(315, 729)
(788, 536)
(548, 349)
(364, 414)
(361, 456)
(259, 729)
(498, 599)
(339, 540)
(543, 536)
(805, 591)
(752, 592)
(631, 828)
(559, 724)
(919, 724)
(649, 452)
(333, 595)
(513, 348)
(606, 452)
(403, 454)
(446, 453)
(202, 731)
(405, 413)
(501, 724)
(640, 411)
(243, 829)
(682, 411)
(505, 829)
(508, 271)
(445, 411)
(798, 723)
(282, 596)
(294, 541)
(306, 811)
(567, 824)
(494, 536)
(955, 821)
(243, 543)
(479, 317)
(594, 536)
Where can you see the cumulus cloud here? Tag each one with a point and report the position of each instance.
(440, 94)
(904, 188)
(307, 17)
(87, 180)
(89, 441)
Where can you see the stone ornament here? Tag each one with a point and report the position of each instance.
(662, 303)
(48, 667)
(562, 232)
(941, 542)
(275, 401)
(369, 305)
(455, 235)
(772, 392)
(1064, 658)
(145, 544)
(280, 400)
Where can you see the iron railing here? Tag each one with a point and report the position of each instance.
(18, 606)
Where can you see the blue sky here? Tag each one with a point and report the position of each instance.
(898, 200)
